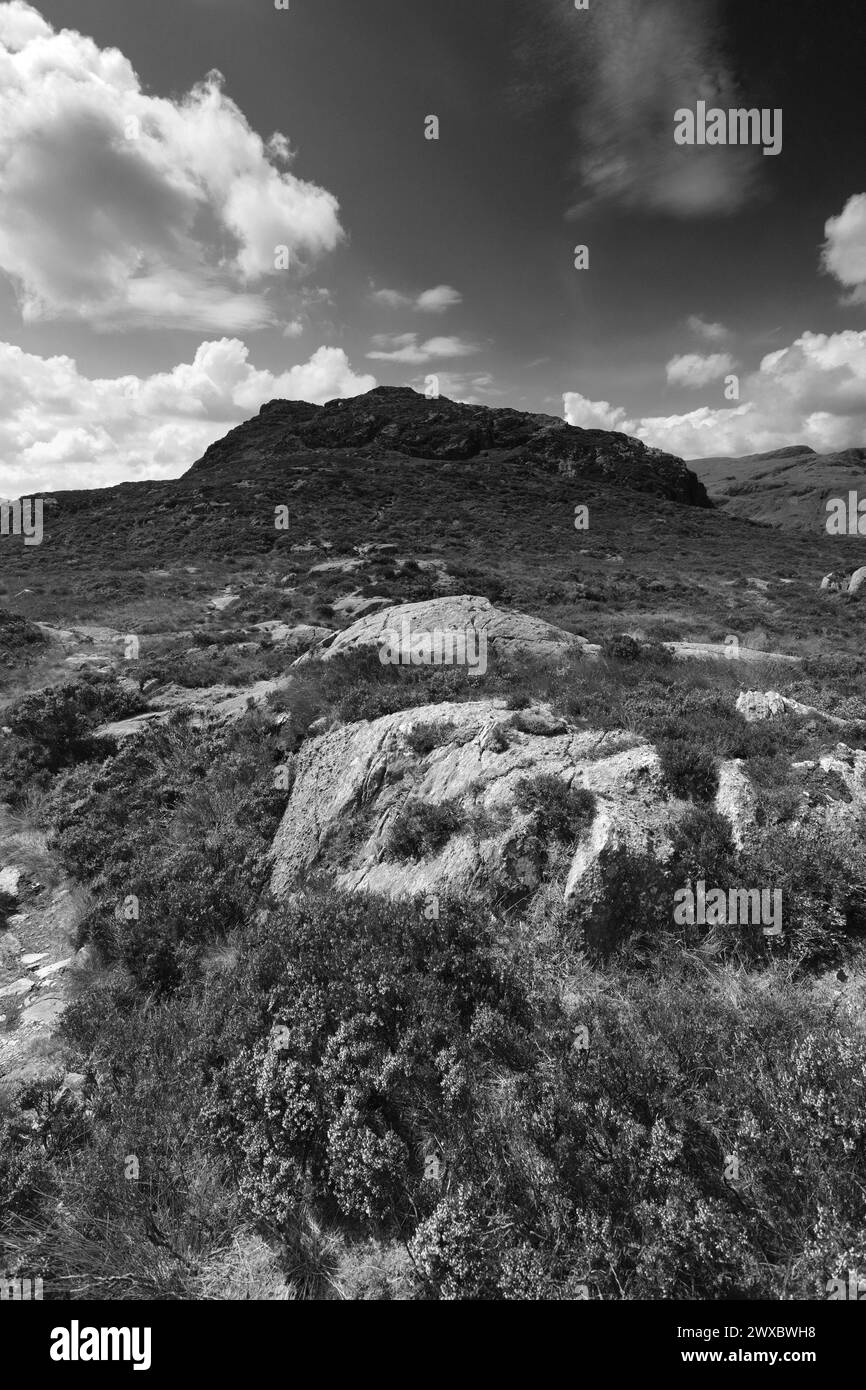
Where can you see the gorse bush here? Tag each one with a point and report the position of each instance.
(53, 729)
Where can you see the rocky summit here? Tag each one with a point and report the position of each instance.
(393, 420)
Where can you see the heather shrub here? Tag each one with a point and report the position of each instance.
(560, 811)
(422, 828)
(53, 729)
(179, 822)
(690, 771)
(425, 737)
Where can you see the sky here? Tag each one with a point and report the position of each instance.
(207, 204)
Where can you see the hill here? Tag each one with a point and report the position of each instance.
(484, 496)
(787, 488)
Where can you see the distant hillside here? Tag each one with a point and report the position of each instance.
(787, 487)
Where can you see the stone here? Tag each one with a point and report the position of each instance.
(365, 773)
(54, 969)
(17, 989)
(225, 600)
(10, 880)
(357, 606)
(45, 1010)
(758, 705)
(337, 567)
(295, 637)
(736, 800)
(720, 651)
(505, 632)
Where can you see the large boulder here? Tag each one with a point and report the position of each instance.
(500, 631)
(758, 705)
(466, 761)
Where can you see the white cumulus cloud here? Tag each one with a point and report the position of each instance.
(694, 371)
(128, 209)
(844, 252)
(811, 392)
(62, 429)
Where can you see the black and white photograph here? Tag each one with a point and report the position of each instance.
(432, 672)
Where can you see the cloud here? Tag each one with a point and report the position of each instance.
(465, 387)
(434, 301)
(694, 371)
(404, 347)
(134, 210)
(631, 65)
(61, 429)
(811, 392)
(595, 415)
(437, 300)
(843, 254)
(710, 332)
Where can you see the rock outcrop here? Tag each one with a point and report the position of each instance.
(353, 783)
(758, 705)
(213, 704)
(503, 632)
(720, 651)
